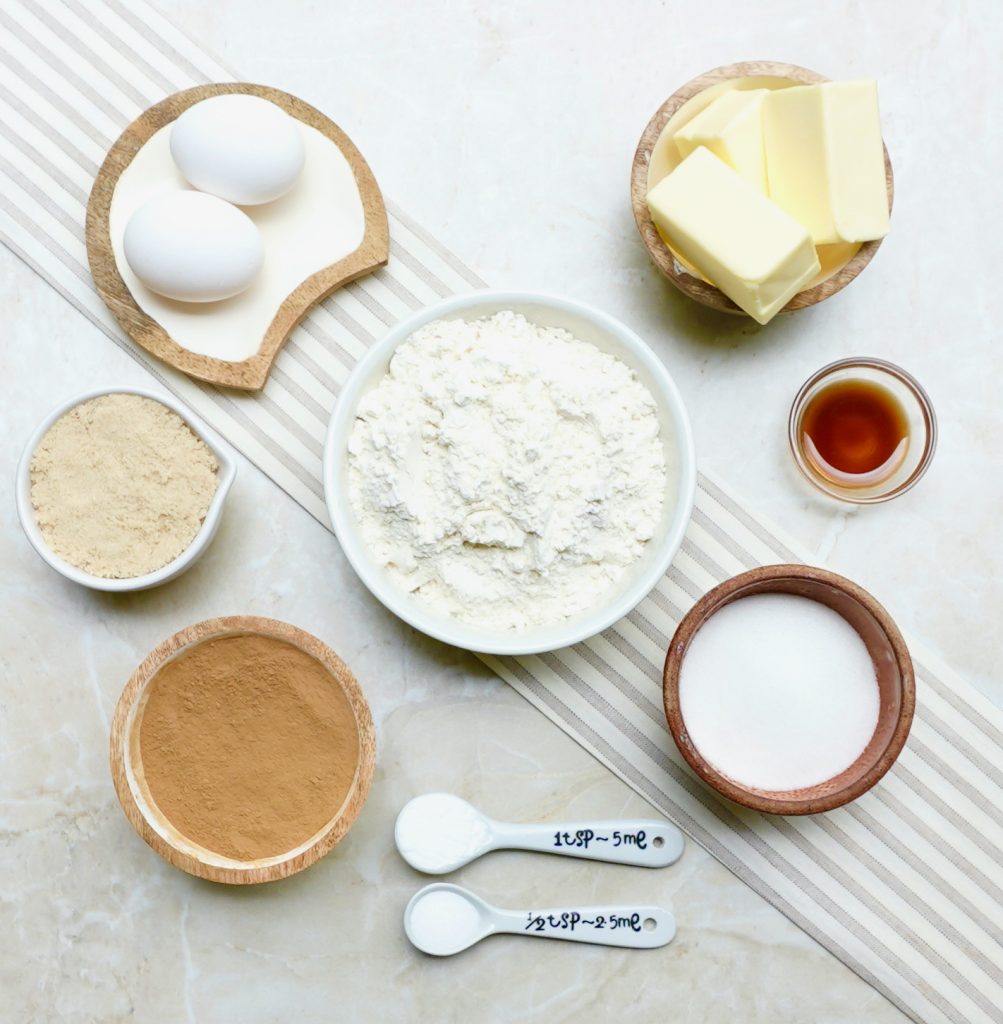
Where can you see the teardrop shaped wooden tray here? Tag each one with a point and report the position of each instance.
(250, 373)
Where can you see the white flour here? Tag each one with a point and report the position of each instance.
(504, 473)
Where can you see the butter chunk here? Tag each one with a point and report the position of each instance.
(757, 254)
(731, 128)
(825, 161)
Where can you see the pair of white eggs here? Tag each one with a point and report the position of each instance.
(197, 246)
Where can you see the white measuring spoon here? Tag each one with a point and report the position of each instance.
(444, 919)
(438, 833)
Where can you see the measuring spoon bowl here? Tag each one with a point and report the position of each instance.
(438, 832)
(443, 919)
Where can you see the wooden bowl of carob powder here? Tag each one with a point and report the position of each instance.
(510, 472)
(242, 749)
(122, 489)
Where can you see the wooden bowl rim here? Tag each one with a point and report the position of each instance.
(663, 257)
(785, 803)
(232, 625)
(251, 373)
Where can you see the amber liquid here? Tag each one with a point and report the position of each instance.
(855, 432)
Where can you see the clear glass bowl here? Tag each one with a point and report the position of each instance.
(922, 429)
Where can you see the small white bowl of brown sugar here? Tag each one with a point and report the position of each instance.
(122, 489)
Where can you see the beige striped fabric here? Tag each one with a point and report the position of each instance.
(905, 886)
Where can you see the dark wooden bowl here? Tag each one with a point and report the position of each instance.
(892, 665)
(848, 260)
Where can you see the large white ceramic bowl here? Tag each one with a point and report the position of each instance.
(227, 472)
(588, 324)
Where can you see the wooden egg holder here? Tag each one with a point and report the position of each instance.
(248, 374)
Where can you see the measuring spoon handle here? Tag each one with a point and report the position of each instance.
(649, 844)
(631, 927)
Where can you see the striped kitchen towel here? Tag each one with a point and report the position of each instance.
(905, 886)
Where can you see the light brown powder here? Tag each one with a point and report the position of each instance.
(120, 485)
(248, 745)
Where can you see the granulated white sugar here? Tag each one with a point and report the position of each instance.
(778, 692)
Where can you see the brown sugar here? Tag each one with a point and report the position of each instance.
(248, 745)
(120, 485)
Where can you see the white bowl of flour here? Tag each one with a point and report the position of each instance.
(510, 472)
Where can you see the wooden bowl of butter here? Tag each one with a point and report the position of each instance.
(772, 191)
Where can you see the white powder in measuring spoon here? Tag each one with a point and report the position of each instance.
(778, 692)
(439, 832)
(443, 922)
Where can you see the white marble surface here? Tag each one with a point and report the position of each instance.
(507, 129)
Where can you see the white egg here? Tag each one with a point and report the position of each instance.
(193, 247)
(240, 148)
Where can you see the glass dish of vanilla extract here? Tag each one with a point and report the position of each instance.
(862, 430)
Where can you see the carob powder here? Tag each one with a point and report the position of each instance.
(248, 745)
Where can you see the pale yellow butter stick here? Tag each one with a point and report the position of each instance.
(731, 127)
(825, 160)
(757, 254)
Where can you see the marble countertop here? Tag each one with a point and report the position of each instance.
(508, 131)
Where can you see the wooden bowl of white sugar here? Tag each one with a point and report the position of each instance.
(789, 689)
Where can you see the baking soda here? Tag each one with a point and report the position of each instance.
(443, 922)
(778, 692)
